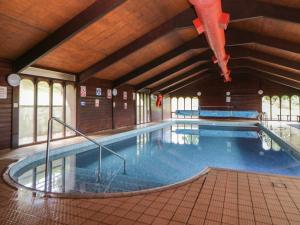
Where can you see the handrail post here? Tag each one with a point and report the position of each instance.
(47, 154)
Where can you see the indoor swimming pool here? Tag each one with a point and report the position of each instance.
(165, 156)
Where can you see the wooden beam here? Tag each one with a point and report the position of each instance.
(192, 44)
(94, 12)
(266, 76)
(238, 11)
(173, 70)
(187, 82)
(237, 63)
(182, 20)
(242, 52)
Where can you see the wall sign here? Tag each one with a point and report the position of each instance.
(82, 91)
(82, 103)
(109, 94)
(98, 91)
(3, 92)
(228, 99)
(97, 103)
(125, 105)
(124, 95)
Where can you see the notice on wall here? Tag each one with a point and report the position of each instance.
(124, 95)
(125, 105)
(82, 103)
(3, 92)
(228, 99)
(98, 91)
(82, 91)
(109, 94)
(97, 103)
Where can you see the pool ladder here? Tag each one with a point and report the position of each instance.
(49, 135)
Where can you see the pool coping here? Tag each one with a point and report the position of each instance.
(124, 135)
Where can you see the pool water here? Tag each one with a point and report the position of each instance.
(163, 157)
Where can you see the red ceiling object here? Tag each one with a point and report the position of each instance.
(213, 21)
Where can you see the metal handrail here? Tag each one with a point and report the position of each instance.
(50, 121)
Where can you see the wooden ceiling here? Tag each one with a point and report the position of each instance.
(150, 43)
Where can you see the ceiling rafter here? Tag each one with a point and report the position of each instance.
(173, 70)
(198, 77)
(245, 11)
(91, 14)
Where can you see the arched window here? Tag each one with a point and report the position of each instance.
(285, 107)
(266, 106)
(295, 107)
(70, 107)
(26, 112)
(275, 107)
(57, 110)
(43, 109)
(188, 105)
(181, 105)
(195, 105)
(174, 107)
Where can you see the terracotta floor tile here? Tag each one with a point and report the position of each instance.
(146, 219)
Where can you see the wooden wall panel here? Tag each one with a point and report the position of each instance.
(89, 118)
(5, 109)
(92, 119)
(124, 117)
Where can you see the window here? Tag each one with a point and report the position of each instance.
(43, 109)
(41, 99)
(142, 108)
(281, 108)
(186, 103)
(266, 106)
(285, 107)
(275, 107)
(26, 112)
(295, 107)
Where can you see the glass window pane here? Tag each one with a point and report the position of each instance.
(26, 112)
(181, 105)
(58, 110)
(295, 107)
(275, 107)
(70, 108)
(195, 105)
(266, 106)
(285, 107)
(43, 107)
(142, 108)
(174, 107)
(188, 103)
(137, 108)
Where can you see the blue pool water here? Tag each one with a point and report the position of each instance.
(162, 157)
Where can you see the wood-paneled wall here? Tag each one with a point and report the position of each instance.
(243, 91)
(92, 119)
(5, 108)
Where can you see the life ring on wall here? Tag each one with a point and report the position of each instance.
(159, 100)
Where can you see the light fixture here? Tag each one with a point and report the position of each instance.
(115, 92)
(13, 80)
(260, 92)
(199, 93)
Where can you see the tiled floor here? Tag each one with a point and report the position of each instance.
(218, 197)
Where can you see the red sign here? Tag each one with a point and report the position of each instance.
(82, 91)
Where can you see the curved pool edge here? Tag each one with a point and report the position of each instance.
(15, 185)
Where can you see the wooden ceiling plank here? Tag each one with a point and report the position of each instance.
(184, 19)
(171, 71)
(187, 82)
(94, 12)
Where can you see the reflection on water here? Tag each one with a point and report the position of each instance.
(162, 157)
